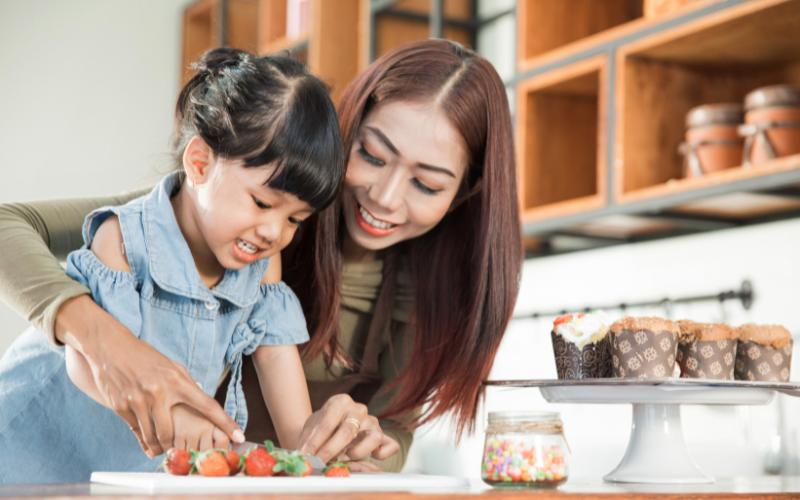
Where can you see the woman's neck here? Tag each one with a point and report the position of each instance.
(209, 268)
(353, 252)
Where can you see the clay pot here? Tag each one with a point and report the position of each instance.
(656, 8)
(772, 123)
(712, 142)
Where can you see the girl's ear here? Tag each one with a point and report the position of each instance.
(197, 161)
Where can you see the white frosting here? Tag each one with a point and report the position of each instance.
(590, 328)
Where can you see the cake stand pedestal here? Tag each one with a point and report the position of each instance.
(657, 452)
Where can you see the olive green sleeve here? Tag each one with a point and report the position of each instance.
(392, 361)
(33, 238)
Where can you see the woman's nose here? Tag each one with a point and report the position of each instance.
(387, 192)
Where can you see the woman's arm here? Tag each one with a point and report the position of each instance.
(136, 381)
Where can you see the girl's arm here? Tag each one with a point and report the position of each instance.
(137, 382)
(282, 380)
(283, 384)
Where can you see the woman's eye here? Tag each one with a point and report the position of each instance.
(370, 159)
(422, 187)
(295, 221)
(260, 204)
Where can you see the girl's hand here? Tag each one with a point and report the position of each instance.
(193, 431)
(137, 382)
(326, 433)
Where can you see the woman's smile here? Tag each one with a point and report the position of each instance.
(372, 224)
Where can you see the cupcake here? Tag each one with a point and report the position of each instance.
(581, 346)
(764, 353)
(643, 347)
(706, 350)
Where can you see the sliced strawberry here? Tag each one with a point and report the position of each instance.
(562, 319)
(176, 462)
(291, 463)
(258, 463)
(212, 463)
(233, 460)
(338, 469)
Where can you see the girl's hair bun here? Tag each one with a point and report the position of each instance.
(213, 62)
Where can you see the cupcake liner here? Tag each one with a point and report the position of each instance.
(763, 363)
(709, 360)
(642, 353)
(572, 362)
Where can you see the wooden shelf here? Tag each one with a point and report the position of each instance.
(713, 59)
(408, 20)
(203, 30)
(562, 140)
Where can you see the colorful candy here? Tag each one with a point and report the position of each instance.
(522, 464)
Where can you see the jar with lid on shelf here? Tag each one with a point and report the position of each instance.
(524, 450)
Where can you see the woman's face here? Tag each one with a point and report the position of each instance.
(405, 169)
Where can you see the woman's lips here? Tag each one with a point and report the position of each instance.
(369, 228)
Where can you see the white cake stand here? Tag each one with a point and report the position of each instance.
(656, 451)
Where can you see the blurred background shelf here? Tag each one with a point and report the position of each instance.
(599, 91)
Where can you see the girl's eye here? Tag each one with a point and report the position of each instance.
(370, 159)
(260, 204)
(295, 221)
(422, 187)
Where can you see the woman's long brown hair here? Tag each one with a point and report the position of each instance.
(466, 269)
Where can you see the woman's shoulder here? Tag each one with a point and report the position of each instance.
(108, 245)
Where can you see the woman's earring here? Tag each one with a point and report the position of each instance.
(190, 181)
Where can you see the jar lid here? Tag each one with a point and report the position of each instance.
(715, 114)
(523, 416)
(774, 95)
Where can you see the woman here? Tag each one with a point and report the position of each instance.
(426, 231)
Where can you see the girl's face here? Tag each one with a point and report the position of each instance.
(405, 169)
(240, 219)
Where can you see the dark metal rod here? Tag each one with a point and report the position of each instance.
(377, 6)
(744, 294)
(436, 18)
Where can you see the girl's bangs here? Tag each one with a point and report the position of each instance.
(307, 147)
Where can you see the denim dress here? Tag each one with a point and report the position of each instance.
(50, 431)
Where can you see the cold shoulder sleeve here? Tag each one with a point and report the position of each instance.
(115, 291)
(33, 238)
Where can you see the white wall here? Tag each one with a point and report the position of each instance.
(87, 90)
(725, 441)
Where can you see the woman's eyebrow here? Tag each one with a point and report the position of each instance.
(384, 139)
(394, 150)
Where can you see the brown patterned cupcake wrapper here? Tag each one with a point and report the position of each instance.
(763, 363)
(643, 353)
(710, 360)
(573, 362)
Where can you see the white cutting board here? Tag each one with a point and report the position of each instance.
(166, 483)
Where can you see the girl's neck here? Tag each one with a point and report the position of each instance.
(353, 252)
(209, 268)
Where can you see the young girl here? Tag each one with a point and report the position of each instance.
(187, 269)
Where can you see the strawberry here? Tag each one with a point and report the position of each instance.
(177, 462)
(257, 463)
(562, 319)
(234, 461)
(212, 463)
(291, 463)
(338, 469)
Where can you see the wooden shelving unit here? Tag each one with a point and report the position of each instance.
(215, 23)
(561, 141)
(601, 96)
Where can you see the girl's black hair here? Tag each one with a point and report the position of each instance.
(264, 110)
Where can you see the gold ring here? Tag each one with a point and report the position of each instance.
(354, 422)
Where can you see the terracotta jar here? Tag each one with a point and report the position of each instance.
(712, 142)
(656, 8)
(772, 123)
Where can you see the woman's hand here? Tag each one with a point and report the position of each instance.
(137, 382)
(327, 433)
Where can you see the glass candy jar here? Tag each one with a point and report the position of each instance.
(524, 450)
